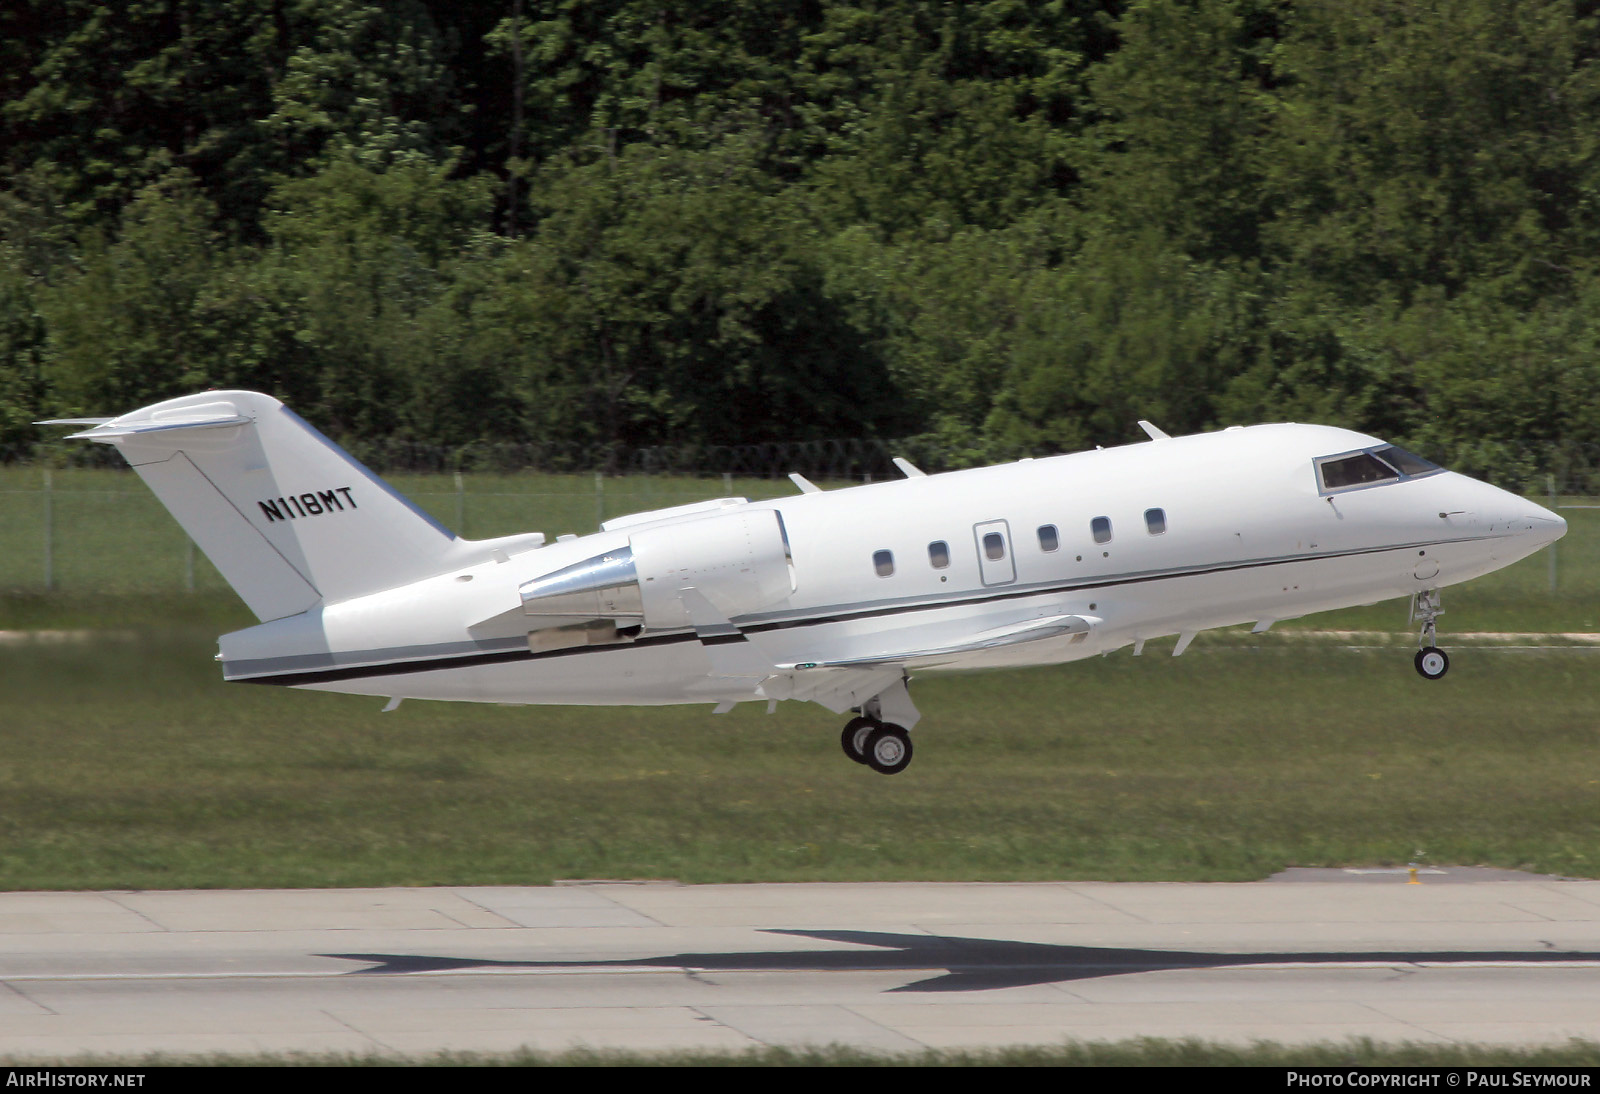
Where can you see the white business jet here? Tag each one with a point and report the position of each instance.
(836, 596)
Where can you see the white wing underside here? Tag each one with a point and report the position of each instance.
(845, 683)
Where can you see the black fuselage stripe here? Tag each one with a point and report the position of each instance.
(446, 663)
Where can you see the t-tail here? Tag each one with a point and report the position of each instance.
(287, 516)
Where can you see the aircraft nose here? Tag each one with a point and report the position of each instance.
(1529, 524)
(1545, 526)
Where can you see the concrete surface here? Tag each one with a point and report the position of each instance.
(1310, 956)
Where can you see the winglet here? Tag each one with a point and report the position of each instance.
(909, 470)
(1152, 432)
(806, 485)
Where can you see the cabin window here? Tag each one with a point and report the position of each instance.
(1049, 540)
(1155, 521)
(994, 546)
(939, 554)
(1101, 527)
(883, 562)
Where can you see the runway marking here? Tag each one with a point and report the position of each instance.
(334, 974)
(1245, 965)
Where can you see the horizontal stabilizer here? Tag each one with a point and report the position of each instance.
(110, 430)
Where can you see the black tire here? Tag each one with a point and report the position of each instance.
(854, 738)
(888, 750)
(1432, 662)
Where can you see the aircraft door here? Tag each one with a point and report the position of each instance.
(995, 564)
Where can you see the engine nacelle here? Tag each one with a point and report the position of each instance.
(739, 561)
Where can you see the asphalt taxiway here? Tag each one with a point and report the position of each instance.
(1459, 956)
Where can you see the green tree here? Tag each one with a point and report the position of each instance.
(1421, 144)
(1133, 329)
(671, 286)
(358, 257)
(23, 352)
(1182, 112)
(123, 329)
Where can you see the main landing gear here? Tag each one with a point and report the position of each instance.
(882, 746)
(1432, 662)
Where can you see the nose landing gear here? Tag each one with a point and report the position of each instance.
(1432, 662)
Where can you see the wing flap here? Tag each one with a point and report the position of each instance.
(1075, 627)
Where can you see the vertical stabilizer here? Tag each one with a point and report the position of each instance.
(286, 515)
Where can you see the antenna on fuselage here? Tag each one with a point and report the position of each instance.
(907, 469)
(1152, 432)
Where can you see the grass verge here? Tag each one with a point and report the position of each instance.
(128, 764)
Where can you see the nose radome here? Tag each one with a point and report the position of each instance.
(1546, 526)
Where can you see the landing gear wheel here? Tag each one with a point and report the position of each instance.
(854, 738)
(888, 749)
(1432, 662)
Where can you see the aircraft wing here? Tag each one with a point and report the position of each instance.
(848, 682)
(1030, 630)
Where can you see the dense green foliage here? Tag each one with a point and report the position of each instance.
(1009, 226)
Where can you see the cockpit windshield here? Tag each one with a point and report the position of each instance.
(1408, 464)
(1371, 467)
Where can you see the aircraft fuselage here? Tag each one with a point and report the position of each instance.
(1171, 536)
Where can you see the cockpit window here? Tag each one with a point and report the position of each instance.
(1362, 469)
(1407, 463)
(1350, 470)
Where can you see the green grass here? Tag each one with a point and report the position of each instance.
(125, 762)
(128, 764)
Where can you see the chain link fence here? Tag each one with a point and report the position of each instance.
(94, 529)
(852, 459)
(1530, 469)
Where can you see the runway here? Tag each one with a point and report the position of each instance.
(1313, 956)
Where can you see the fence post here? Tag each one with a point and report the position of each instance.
(49, 535)
(188, 564)
(599, 499)
(1550, 488)
(461, 507)
(727, 484)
